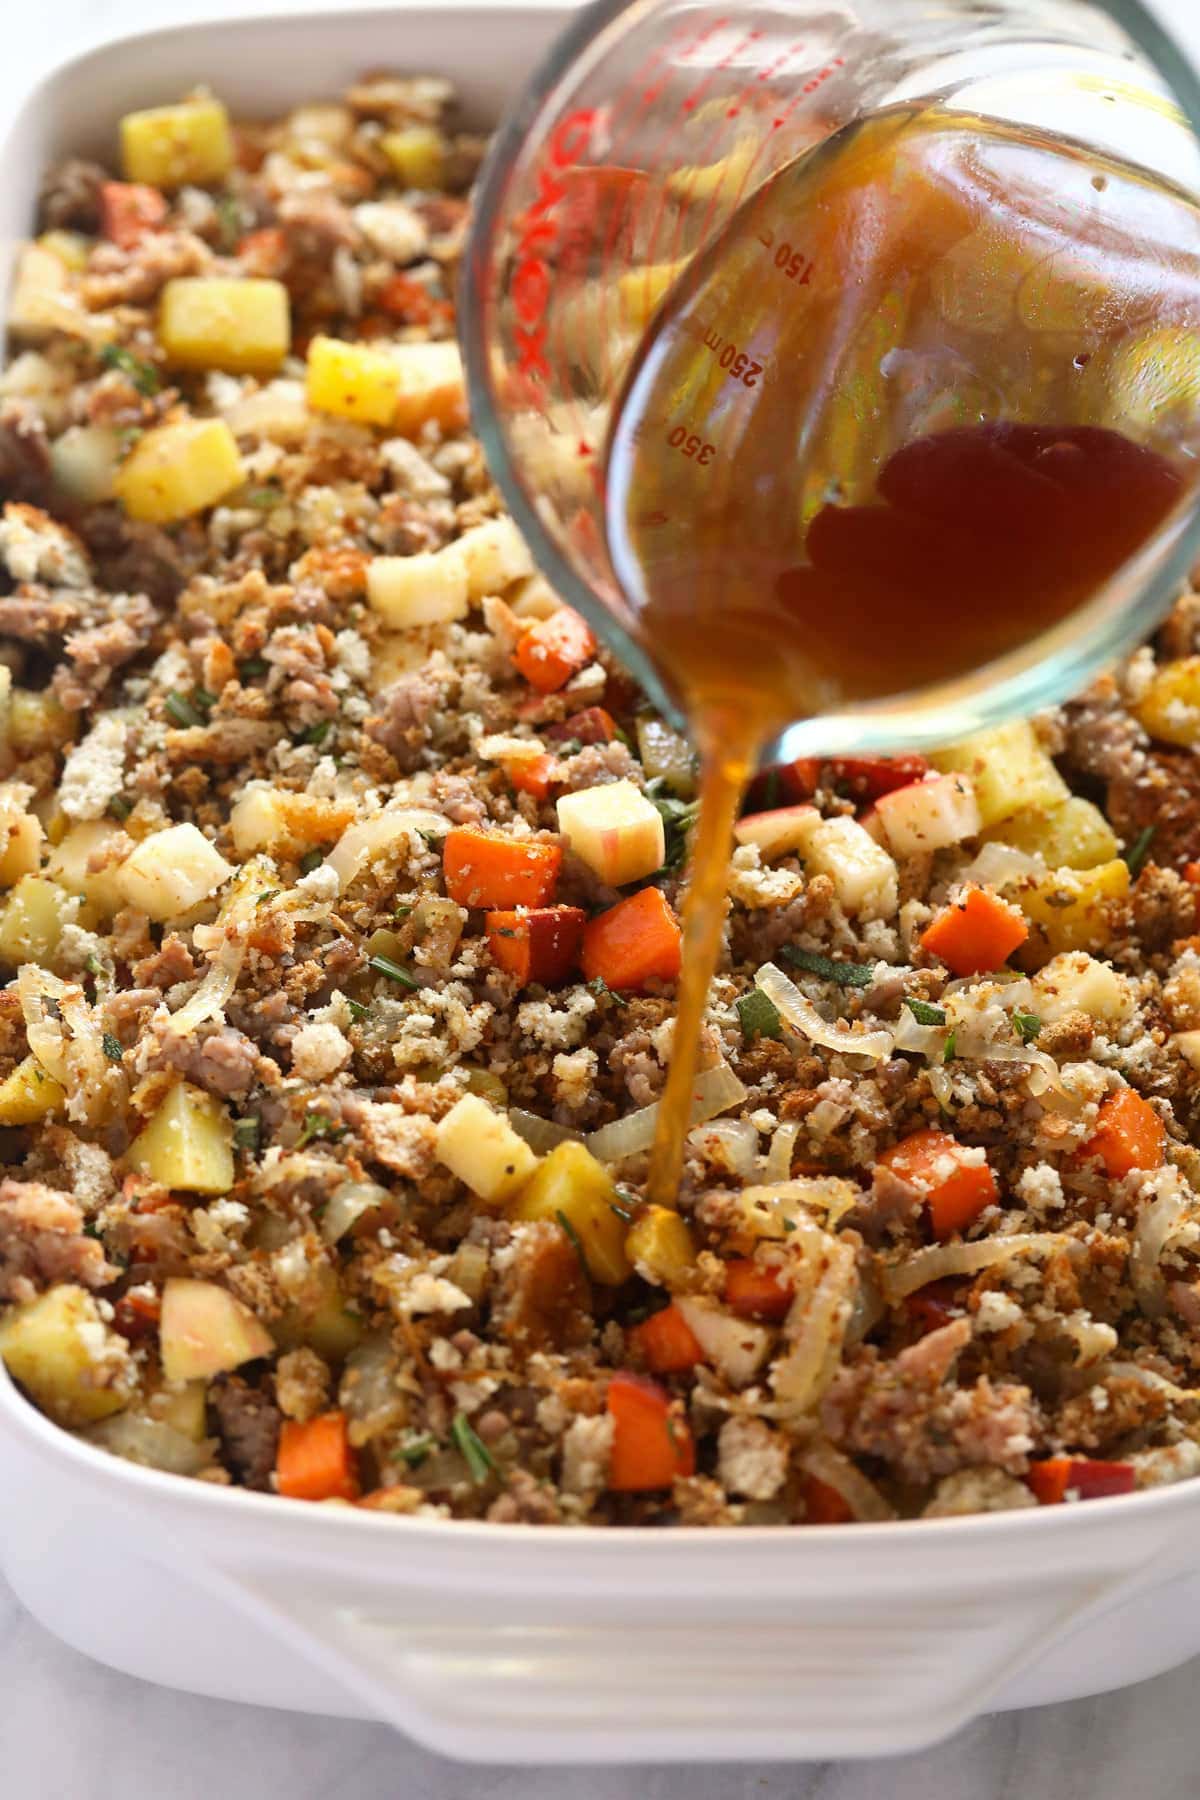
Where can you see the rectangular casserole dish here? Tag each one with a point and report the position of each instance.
(499, 1642)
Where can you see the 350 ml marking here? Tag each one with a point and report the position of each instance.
(691, 444)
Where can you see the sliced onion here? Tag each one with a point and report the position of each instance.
(778, 1164)
(1149, 1378)
(277, 411)
(919, 1040)
(346, 1206)
(1157, 1223)
(214, 993)
(713, 1092)
(770, 1211)
(940, 1260)
(70, 1047)
(152, 1443)
(360, 844)
(825, 1286)
(540, 1134)
(732, 1144)
(998, 863)
(803, 1017)
(838, 1472)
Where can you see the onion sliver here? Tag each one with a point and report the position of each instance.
(940, 1260)
(540, 1134)
(838, 1472)
(803, 1017)
(1157, 1222)
(778, 1164)
(713, 1092)
(360, 844)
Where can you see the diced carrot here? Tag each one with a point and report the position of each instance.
(541, 945)
(636, 941)
(956, 1191)
(1129, 1134)
(667, 1343)
(315, 1461)
(754, 1291)
(867, 777)
(532, 774)
(136, 1316)
(651, 1442)
(1054, 1478)
(265, 252)
(128, 210)
(594, 725)
(403, 297)
(784, 784)
(823, 1505)
(976, 934)
(936, 1304)
(554, 649)
(481, 868)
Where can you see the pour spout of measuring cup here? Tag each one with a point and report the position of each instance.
(737, 279)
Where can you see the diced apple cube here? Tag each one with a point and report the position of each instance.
(205, 1330)
(29, 1094)
(84, 462)
(737, 1348)
(1009, 768)
(286, 824)
(417, 154)
(1077, 982)
(863, 874)
(170, 146)
(178, 470)
(21, 836)
(929, 815)
(432, 387)
(615, 830)
(214, 322)
(1170, 707)
(71, 248)
(32, 920)
(570, 1184)
(38, 721)
(1072, 835)
(187, 1143)
(661, 1246)
(352, 381)
(66, 1358)
(778, 832)
(87, 860)
(479, 1145)
(495, 555)
(430, 588)
(172, 871)
(1068, 909)
(41, 300)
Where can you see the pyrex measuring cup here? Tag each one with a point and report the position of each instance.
(647, 127)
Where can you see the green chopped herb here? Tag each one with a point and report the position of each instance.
(120, 808)
(128, 435)
(758, 1015)
(789, 1225)
(428, 836)
(229, 220)
(625, 1213)
(142, 375)
(112, 1047)
(253, 665)
(416, 1450)
(622, 737)
(598, 986)
(572, 1237)
(267, 894)
(569, 746)
(846, 974)
(264, 497)
(383, 965)
(402, 911)
(357, 1010)
(320, 1125)
(1026, 1025)
(90, 1229)
(504, 931)
(923, 1012)
(92, 964)
(678, 817)
(180, 708)
(1135, 857)
(949, 1048)
(203, 699)
(316, 734)
(246, 1132)
(476, 1455)
(312, 859)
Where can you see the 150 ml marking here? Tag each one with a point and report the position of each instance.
(791, 263)
(691, 445)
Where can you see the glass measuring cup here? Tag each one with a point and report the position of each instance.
(647, 128)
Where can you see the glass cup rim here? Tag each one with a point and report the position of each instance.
(1019, 682)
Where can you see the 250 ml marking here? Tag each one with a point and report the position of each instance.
(691, 445)
(738, 363)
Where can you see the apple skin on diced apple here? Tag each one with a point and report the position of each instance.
(615, 830)
(205, 1330)
(929, 815)
(778, 832)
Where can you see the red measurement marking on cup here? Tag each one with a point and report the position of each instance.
(738, 363)
(792, 264)
(539, 239)
(691, 445)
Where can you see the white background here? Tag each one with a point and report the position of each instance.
(70, 1730)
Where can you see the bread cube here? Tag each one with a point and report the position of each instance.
(615, 830)
(417, 154)
(173, 146)
(924, 816)
(31, 921)
(172, 871)
(352, 381)
(432, 387)
(1170, 707)
(430, 588)
(178, 470)
(29, 1094)
(66, 1358)
(1068, 910)
(480, 1146)
(212, 322)
(205, 1330)
(569, 1184)
(187, 1143)
(286, 824)
(863, 874)
(1010, 771)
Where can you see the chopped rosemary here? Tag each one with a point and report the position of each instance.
(246, 1132)
(180, 708)
(678, 817)
(320, 1125)
(923, 1012)
(267, 894)
(316, 734)
(1137, 853)
(92, 964)
(383, 965)
(602, 991)
(357, 1010)
(950, 1046)
(475, 1453)
(253, 665)
(572, 1237)
(846, 974)
(624, 1213)
(1026, 1025)
(758, 1015)
(416, 1450)
(203, 699)
(142, 374)
(112, 1047)
(119, 807)
(264, 497)
(312, 859)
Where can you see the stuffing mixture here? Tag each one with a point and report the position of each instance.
(341, 876)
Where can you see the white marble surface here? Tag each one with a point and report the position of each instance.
(70, 1730)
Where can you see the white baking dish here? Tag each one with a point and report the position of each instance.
(503, 1642)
